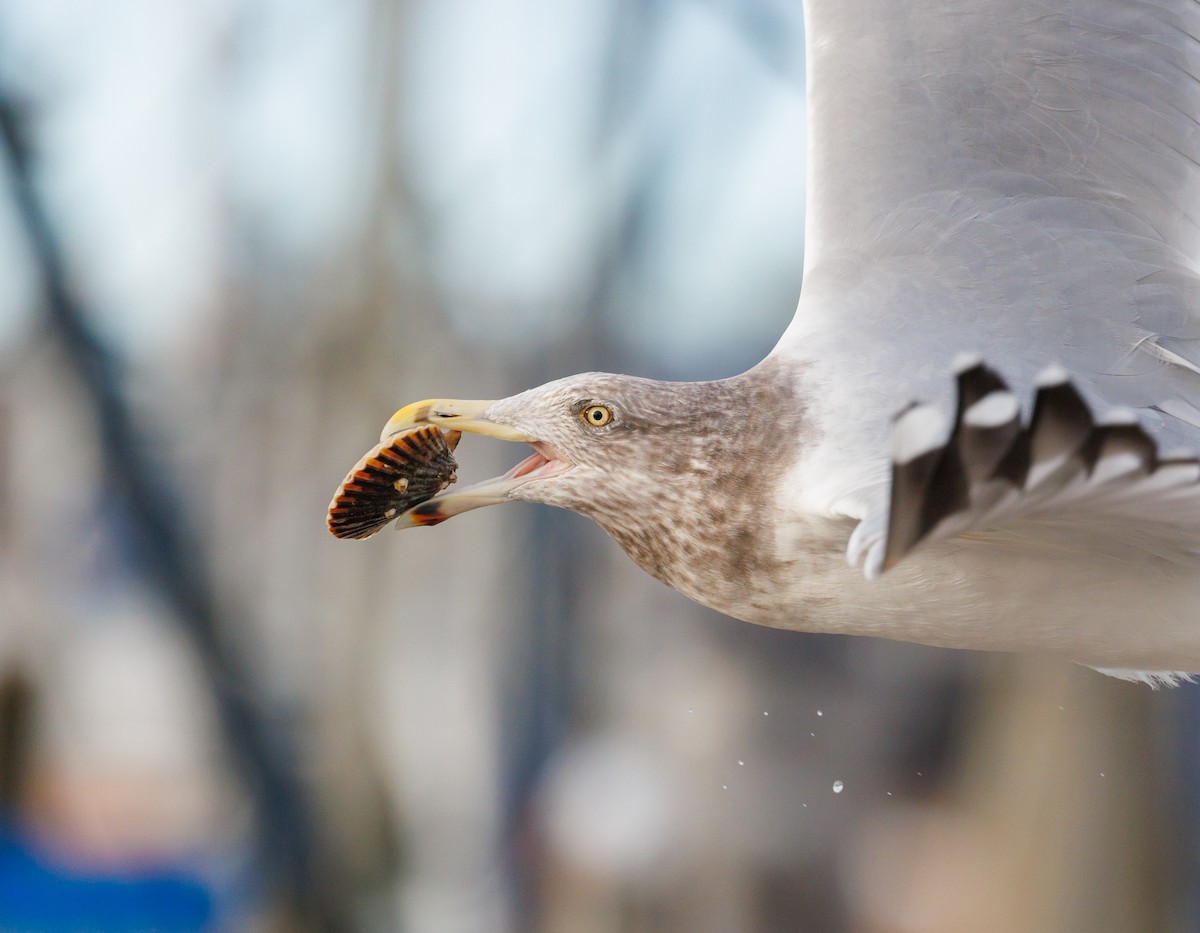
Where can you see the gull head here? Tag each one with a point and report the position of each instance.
(604, 445)
(689, 478)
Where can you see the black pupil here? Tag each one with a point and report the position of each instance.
(597, 415)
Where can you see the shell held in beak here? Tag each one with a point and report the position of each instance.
(391, 478)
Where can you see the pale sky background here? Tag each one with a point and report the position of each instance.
(160, 118)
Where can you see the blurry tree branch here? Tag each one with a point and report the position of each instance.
(173, 563)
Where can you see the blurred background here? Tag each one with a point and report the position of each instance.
(235, 236)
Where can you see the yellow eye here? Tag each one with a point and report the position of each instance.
(597, 415)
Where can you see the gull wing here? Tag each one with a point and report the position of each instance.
(914, 105)
(1011, 178)
(1061, 465)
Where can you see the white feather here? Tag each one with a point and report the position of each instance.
(993, 410)
(917, 431)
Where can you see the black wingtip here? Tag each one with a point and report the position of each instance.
(987, 445)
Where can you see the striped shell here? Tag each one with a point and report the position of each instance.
(393, 477)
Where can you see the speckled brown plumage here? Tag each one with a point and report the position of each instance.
(684, 479)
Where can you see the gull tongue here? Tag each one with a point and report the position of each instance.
(528, 465)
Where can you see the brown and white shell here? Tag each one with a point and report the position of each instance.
(390, 479)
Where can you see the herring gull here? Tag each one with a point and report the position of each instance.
(980, 429)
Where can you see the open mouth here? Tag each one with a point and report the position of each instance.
(406, 476)
(543, 464)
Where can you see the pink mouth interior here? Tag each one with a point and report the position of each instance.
(534, 461)
(537, 465)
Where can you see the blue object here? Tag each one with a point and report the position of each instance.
(39, 896)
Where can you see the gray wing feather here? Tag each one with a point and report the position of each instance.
(1084, 99)
(1014, 178)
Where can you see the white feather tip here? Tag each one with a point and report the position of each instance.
(966, 360)
(1052, 375)
(991, 411)
(917, 431)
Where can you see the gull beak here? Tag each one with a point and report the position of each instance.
(448, 504)
(452, 414)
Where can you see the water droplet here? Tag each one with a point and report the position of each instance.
(804, 805)
(690, 710)
(889, 793)
(813, 734)
(724, 787)
(1101, 774)
(838, 786)
(743, 764)
(819, 713)
(765, 713)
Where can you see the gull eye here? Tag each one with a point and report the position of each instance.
(597, 416)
